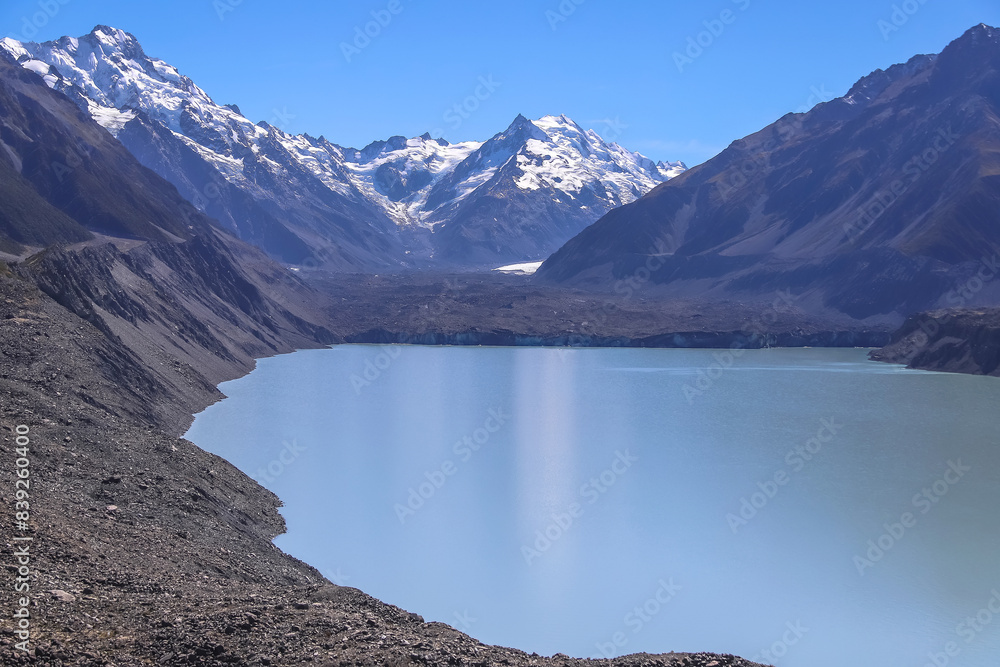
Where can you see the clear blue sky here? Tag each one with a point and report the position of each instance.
(284, 62)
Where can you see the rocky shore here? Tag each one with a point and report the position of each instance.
(955, 341)
(478, 309)
(147, 550)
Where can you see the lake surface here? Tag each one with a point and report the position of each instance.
(808, 503)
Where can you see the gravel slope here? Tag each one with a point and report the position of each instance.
(148, 550)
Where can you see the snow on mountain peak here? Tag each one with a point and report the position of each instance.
(109, 68)
(117, 39)
(421, 181)
(575, 161)
(12, 47)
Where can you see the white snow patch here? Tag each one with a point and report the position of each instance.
(523, 269)
(110, 119)
(13, 47)
(558, 156)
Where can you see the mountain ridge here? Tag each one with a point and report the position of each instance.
(153, 551)
(310, 202)
(873, 205)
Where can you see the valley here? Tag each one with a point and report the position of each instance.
(155, 244)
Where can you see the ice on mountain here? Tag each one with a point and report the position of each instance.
(552, 154)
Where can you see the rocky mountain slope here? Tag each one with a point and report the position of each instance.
(79, 181)
(475, 309)
(874, 205)
(148, 550)
(952, 340)
(120, 248)
(400, 202)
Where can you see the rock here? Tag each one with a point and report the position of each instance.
(62, 596)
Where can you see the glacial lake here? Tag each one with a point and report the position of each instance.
(801, 507)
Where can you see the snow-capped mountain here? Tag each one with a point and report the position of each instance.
(421, 201)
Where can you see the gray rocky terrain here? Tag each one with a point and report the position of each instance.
(147, 550)
(955, 340)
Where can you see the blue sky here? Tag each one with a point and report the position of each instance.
(466, 69)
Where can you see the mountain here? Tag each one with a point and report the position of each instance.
(524, 192)
(242, 174)
(306, 201)
(117, 246)
(110, 339)
(64, 179)
(875, 205)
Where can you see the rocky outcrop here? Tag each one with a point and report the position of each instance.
(956, 341)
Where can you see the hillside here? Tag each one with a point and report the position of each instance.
(874, 205)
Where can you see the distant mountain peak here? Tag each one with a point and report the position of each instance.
(521, 130)
(118, 39)
(871, 86)
(515, 196)
(976, 37)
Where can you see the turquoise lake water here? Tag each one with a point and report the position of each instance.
(801, 507)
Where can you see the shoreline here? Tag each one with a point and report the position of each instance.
(861, 358)
(171, 547)
(713, 340)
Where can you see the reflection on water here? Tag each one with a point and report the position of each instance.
(807, 503)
